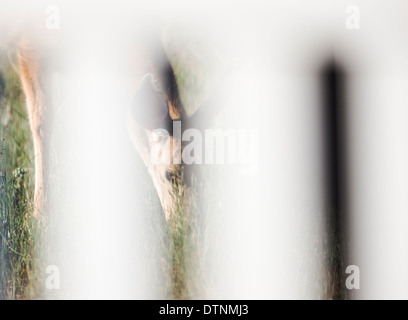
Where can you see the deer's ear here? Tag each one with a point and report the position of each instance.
(149, 108)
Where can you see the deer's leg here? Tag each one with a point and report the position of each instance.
(30, 72)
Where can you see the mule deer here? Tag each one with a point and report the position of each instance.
(156, 105)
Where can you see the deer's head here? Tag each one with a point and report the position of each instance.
(150, 122)
(157, 121)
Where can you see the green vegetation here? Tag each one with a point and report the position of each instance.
(183, 238)
(185, 243)
(18, 246)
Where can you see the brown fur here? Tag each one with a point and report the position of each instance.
(166, 177)
(30, 71)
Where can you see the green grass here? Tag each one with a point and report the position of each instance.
(178, 230)
(20, 234)
(185, 234)
(18, 246)
(184, 239)
(185, 243)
